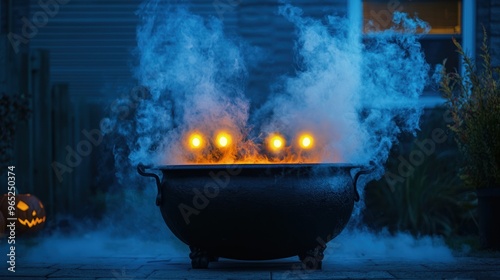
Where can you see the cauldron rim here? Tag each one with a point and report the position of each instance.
(255, 166)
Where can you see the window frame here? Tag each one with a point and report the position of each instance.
(468, 28)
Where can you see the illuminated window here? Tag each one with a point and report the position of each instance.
(443, 16)
(447, 19)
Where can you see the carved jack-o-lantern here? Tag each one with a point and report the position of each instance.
(30, 213)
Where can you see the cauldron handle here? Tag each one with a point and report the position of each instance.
(141, 168)
(368, 170)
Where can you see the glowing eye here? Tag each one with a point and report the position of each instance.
(195, 141)
(41, 205)
(306, 141)
(33, 213)
(276, 143)
(22, 206)
(223, 140)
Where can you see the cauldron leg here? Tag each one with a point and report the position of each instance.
(313, 259)
(199, 258)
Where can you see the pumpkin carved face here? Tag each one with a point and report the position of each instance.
(30, 213)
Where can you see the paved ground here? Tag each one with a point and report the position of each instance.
(179, 268)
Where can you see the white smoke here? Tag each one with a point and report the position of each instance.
(400, 247)
(355, 98)
(87, 246)
(186, 61)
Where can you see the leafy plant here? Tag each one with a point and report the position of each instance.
(432, 200)
(474, 101)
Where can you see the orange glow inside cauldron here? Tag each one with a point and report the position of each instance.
(225, 147)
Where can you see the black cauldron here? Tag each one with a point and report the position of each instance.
(256, 211)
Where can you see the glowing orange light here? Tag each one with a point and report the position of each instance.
(223, 139)
(195, 141)
(306, 141)
(276, 143)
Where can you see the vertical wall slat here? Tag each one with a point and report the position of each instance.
(62, 138)
(42, 128)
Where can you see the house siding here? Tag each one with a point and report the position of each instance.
(495, 31)
(260, 25)
(488, 15)
(100, 36)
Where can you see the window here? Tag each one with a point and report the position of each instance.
(444, 16)
(447, 18)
